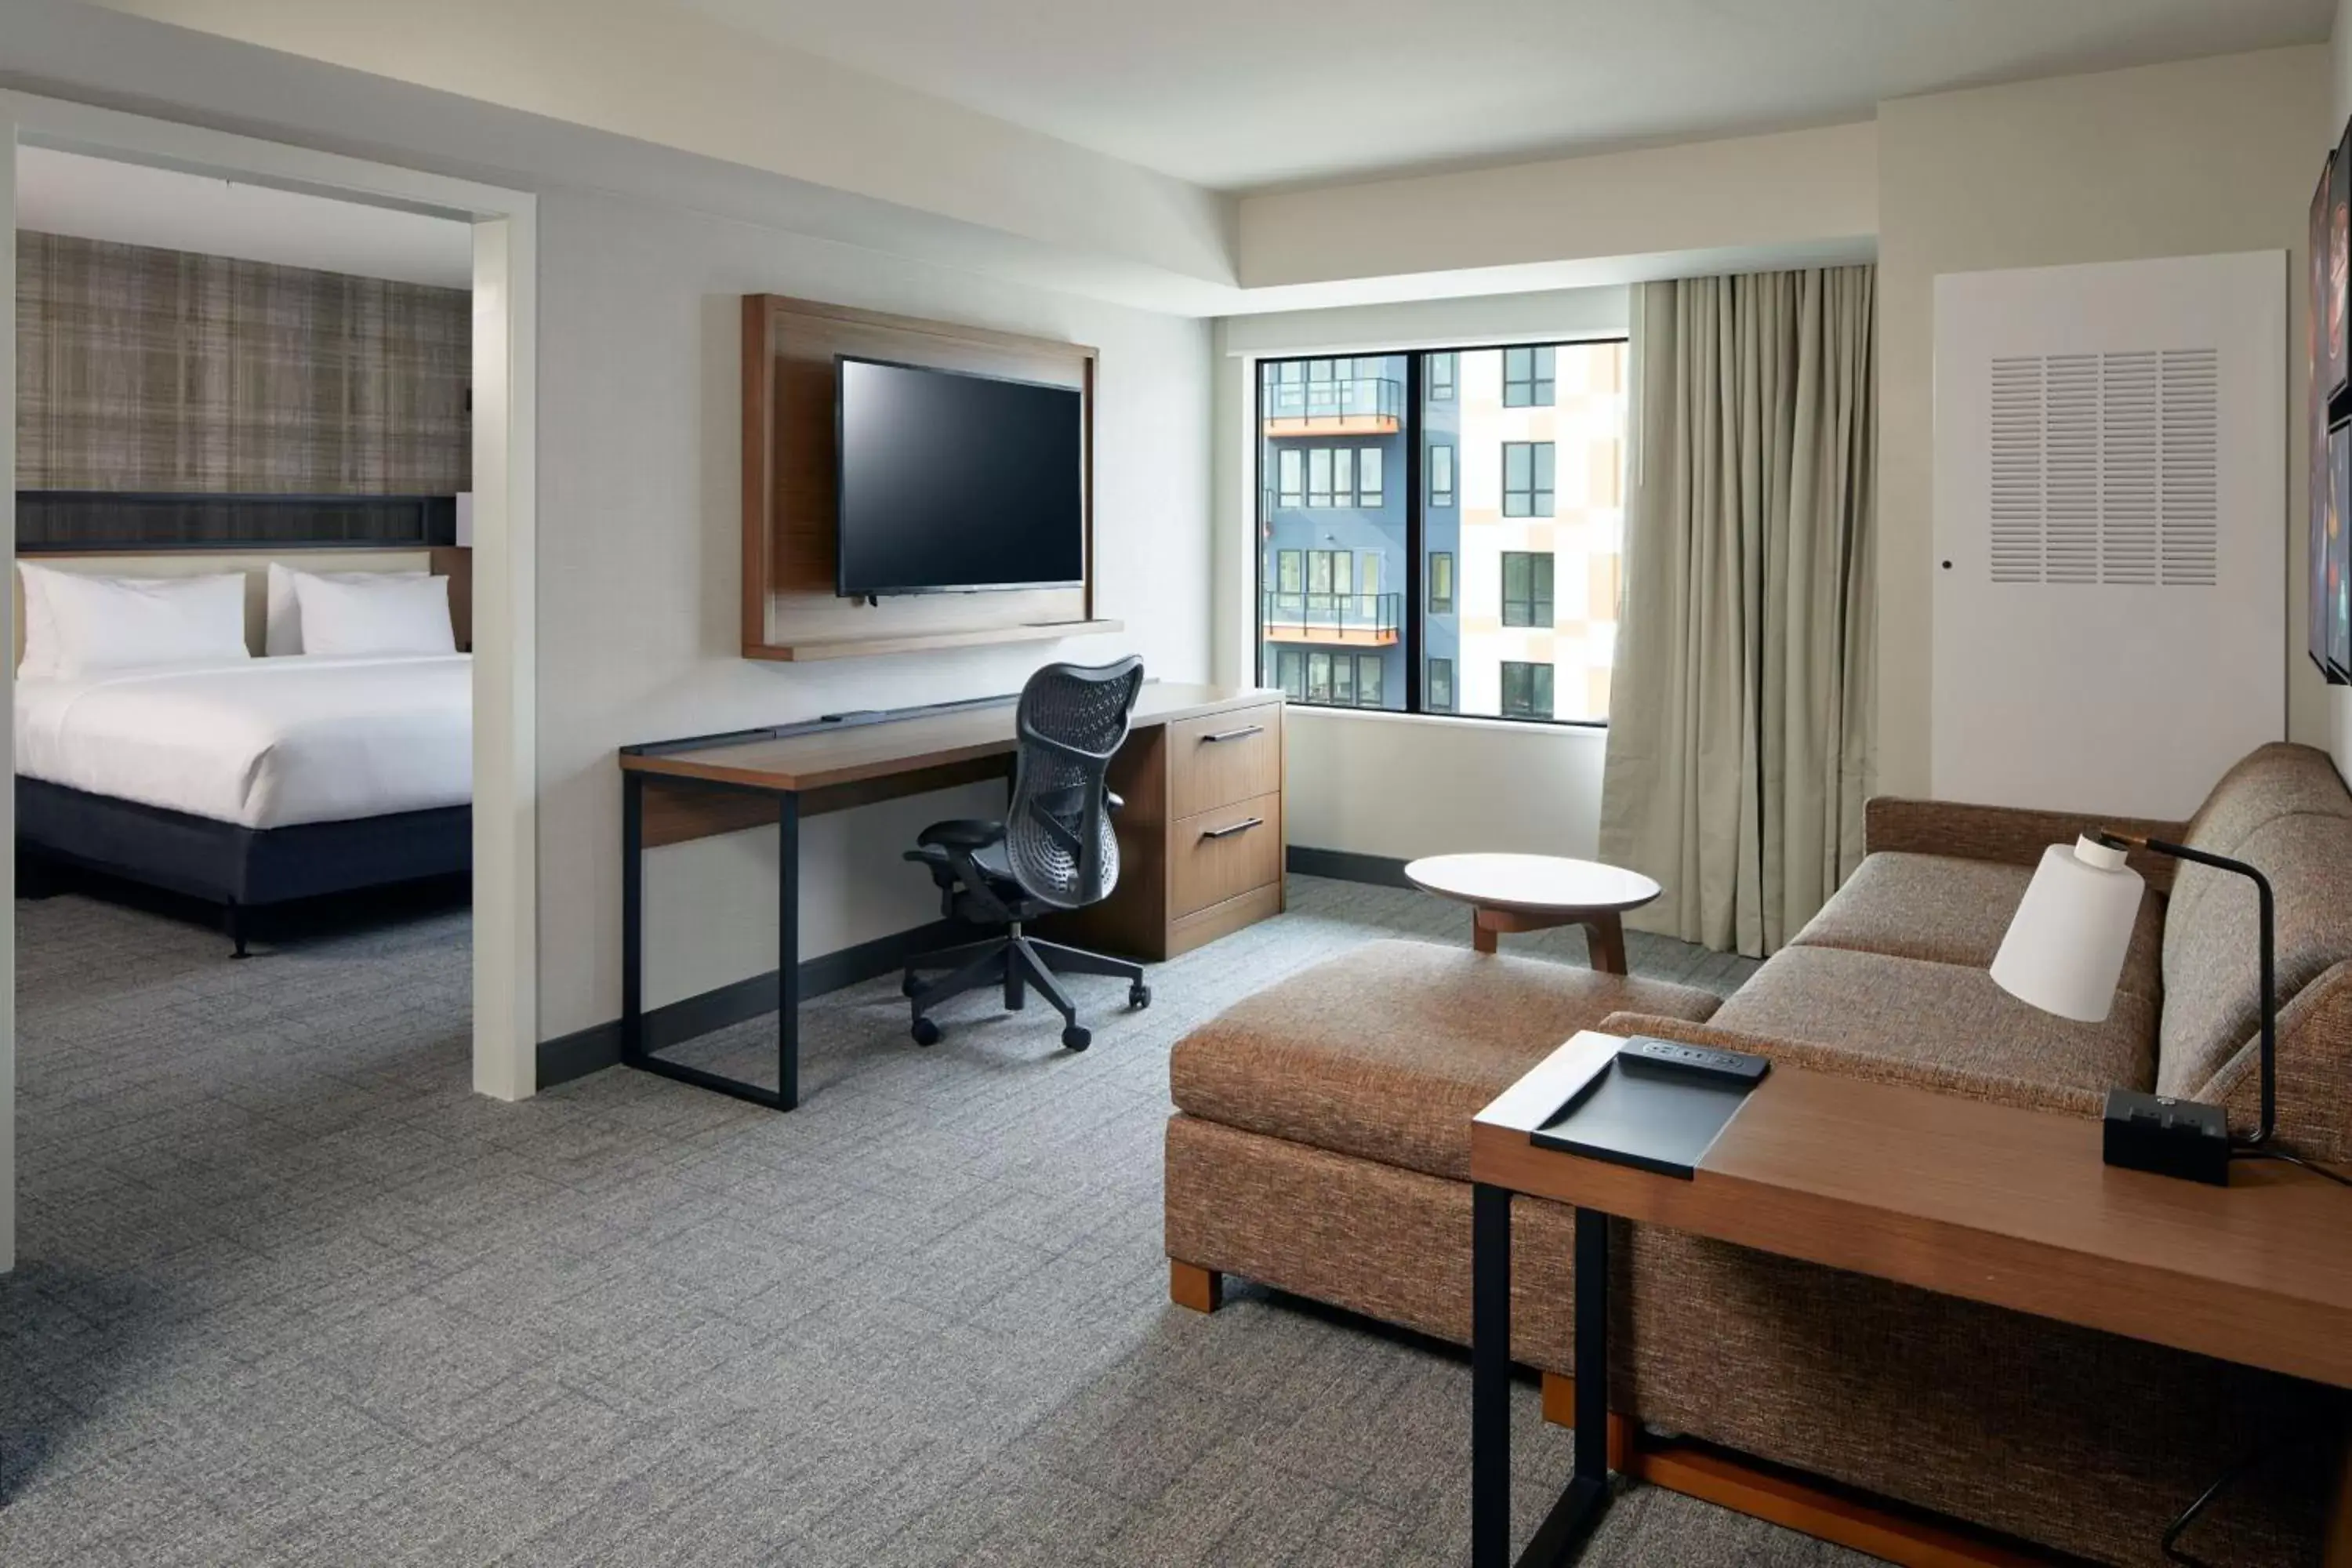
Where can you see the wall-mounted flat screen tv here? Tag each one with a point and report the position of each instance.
(953, 483)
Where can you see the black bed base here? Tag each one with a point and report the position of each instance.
(237, 867)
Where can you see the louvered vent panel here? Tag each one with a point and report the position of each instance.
(2104, 468)
(2192, 471)
(2017, 470)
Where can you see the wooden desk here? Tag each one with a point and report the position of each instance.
(2005, 1206)
(1190, 750)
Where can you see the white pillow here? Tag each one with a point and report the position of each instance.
(383, 615)
(284, 628)
(84, 623)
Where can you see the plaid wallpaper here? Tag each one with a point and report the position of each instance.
(150, 370)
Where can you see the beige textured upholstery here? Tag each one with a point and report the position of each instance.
(1952, 910)
(1910, 1009)
(1388, 1051)
(1321, 1144)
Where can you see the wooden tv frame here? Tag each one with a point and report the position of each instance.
(789, 609)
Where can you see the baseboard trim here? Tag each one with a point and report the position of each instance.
(598, 1047)
(1346, 866)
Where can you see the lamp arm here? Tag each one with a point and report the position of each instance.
(2269, 944)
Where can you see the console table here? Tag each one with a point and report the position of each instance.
(1199, 836)
(1996, 1205)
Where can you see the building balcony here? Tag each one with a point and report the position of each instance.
(1348, 620)
(1365, 405)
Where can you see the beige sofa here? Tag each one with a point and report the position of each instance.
(1320, 1145)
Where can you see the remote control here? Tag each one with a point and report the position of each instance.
(1645, 1051)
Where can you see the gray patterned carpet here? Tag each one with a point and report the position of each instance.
(291, 1294)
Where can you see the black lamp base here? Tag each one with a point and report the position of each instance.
(2169, 1137)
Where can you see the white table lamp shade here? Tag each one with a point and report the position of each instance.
(2065, 946)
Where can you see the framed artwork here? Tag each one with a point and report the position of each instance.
(2339, 551)
(2340, 265)
(2316, 402)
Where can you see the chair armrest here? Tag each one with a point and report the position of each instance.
(2021, 1093)
(2011, 835)
(964, 833)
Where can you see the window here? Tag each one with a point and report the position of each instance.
(1527, 478)
(1527, 588)
(1528, 377)
(1290, 468)
(1527, 690)
(1290, 672)
(1411, 547)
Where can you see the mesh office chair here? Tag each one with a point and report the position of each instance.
(1054, 850)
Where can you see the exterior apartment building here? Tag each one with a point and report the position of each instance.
(1516, 509)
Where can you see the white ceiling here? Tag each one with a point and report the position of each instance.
(1239, 94)
(96, 198)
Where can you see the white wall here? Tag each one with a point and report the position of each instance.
(1393, 785)
(2198, 158)
(640, 552)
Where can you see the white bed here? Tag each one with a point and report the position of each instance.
(259, 743)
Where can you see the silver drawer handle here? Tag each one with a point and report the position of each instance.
(1237, 827)
(1242, 733)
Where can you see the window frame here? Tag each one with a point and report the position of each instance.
(1529, 667)
(1547, 599)
(1542, 489)
(1446, 607)
(1420, 494)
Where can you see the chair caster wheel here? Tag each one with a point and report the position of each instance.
(1138, 995)
(909, 986)
(1078, 1038)
(926, 1032)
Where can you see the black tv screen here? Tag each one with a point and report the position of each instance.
(950, 481)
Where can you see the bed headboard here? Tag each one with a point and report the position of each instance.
(454, 564)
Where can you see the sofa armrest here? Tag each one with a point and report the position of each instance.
(2314, 1073)
(2022, 1093)
(2012, 834)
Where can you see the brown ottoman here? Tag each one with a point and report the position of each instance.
(1321, 1142)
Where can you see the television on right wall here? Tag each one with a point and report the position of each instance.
(2327, 356)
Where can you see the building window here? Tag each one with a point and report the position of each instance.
(1527, 588)
(1526, 690)
(1495, 494)
(1528, 377)
(1527, 478)
(1290, 672)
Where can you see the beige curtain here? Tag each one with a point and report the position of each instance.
(1740, 726)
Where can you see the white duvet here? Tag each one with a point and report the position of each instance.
(266, 742)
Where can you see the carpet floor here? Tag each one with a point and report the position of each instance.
(290, 1293)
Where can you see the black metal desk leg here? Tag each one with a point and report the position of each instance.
(1490, 1376)
(633, 918)
(788, 951)
(1562, 1536)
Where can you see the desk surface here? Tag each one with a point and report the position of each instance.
(856, 753)
(1990, 1203)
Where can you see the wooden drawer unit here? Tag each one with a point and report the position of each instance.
(1201, 836)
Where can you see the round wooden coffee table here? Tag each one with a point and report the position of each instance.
(1537, 892)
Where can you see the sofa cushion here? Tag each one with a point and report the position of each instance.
(2212, 950)
(1386, 1051)
(1948, 909)
(2271, 781)
(1913, 1009)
